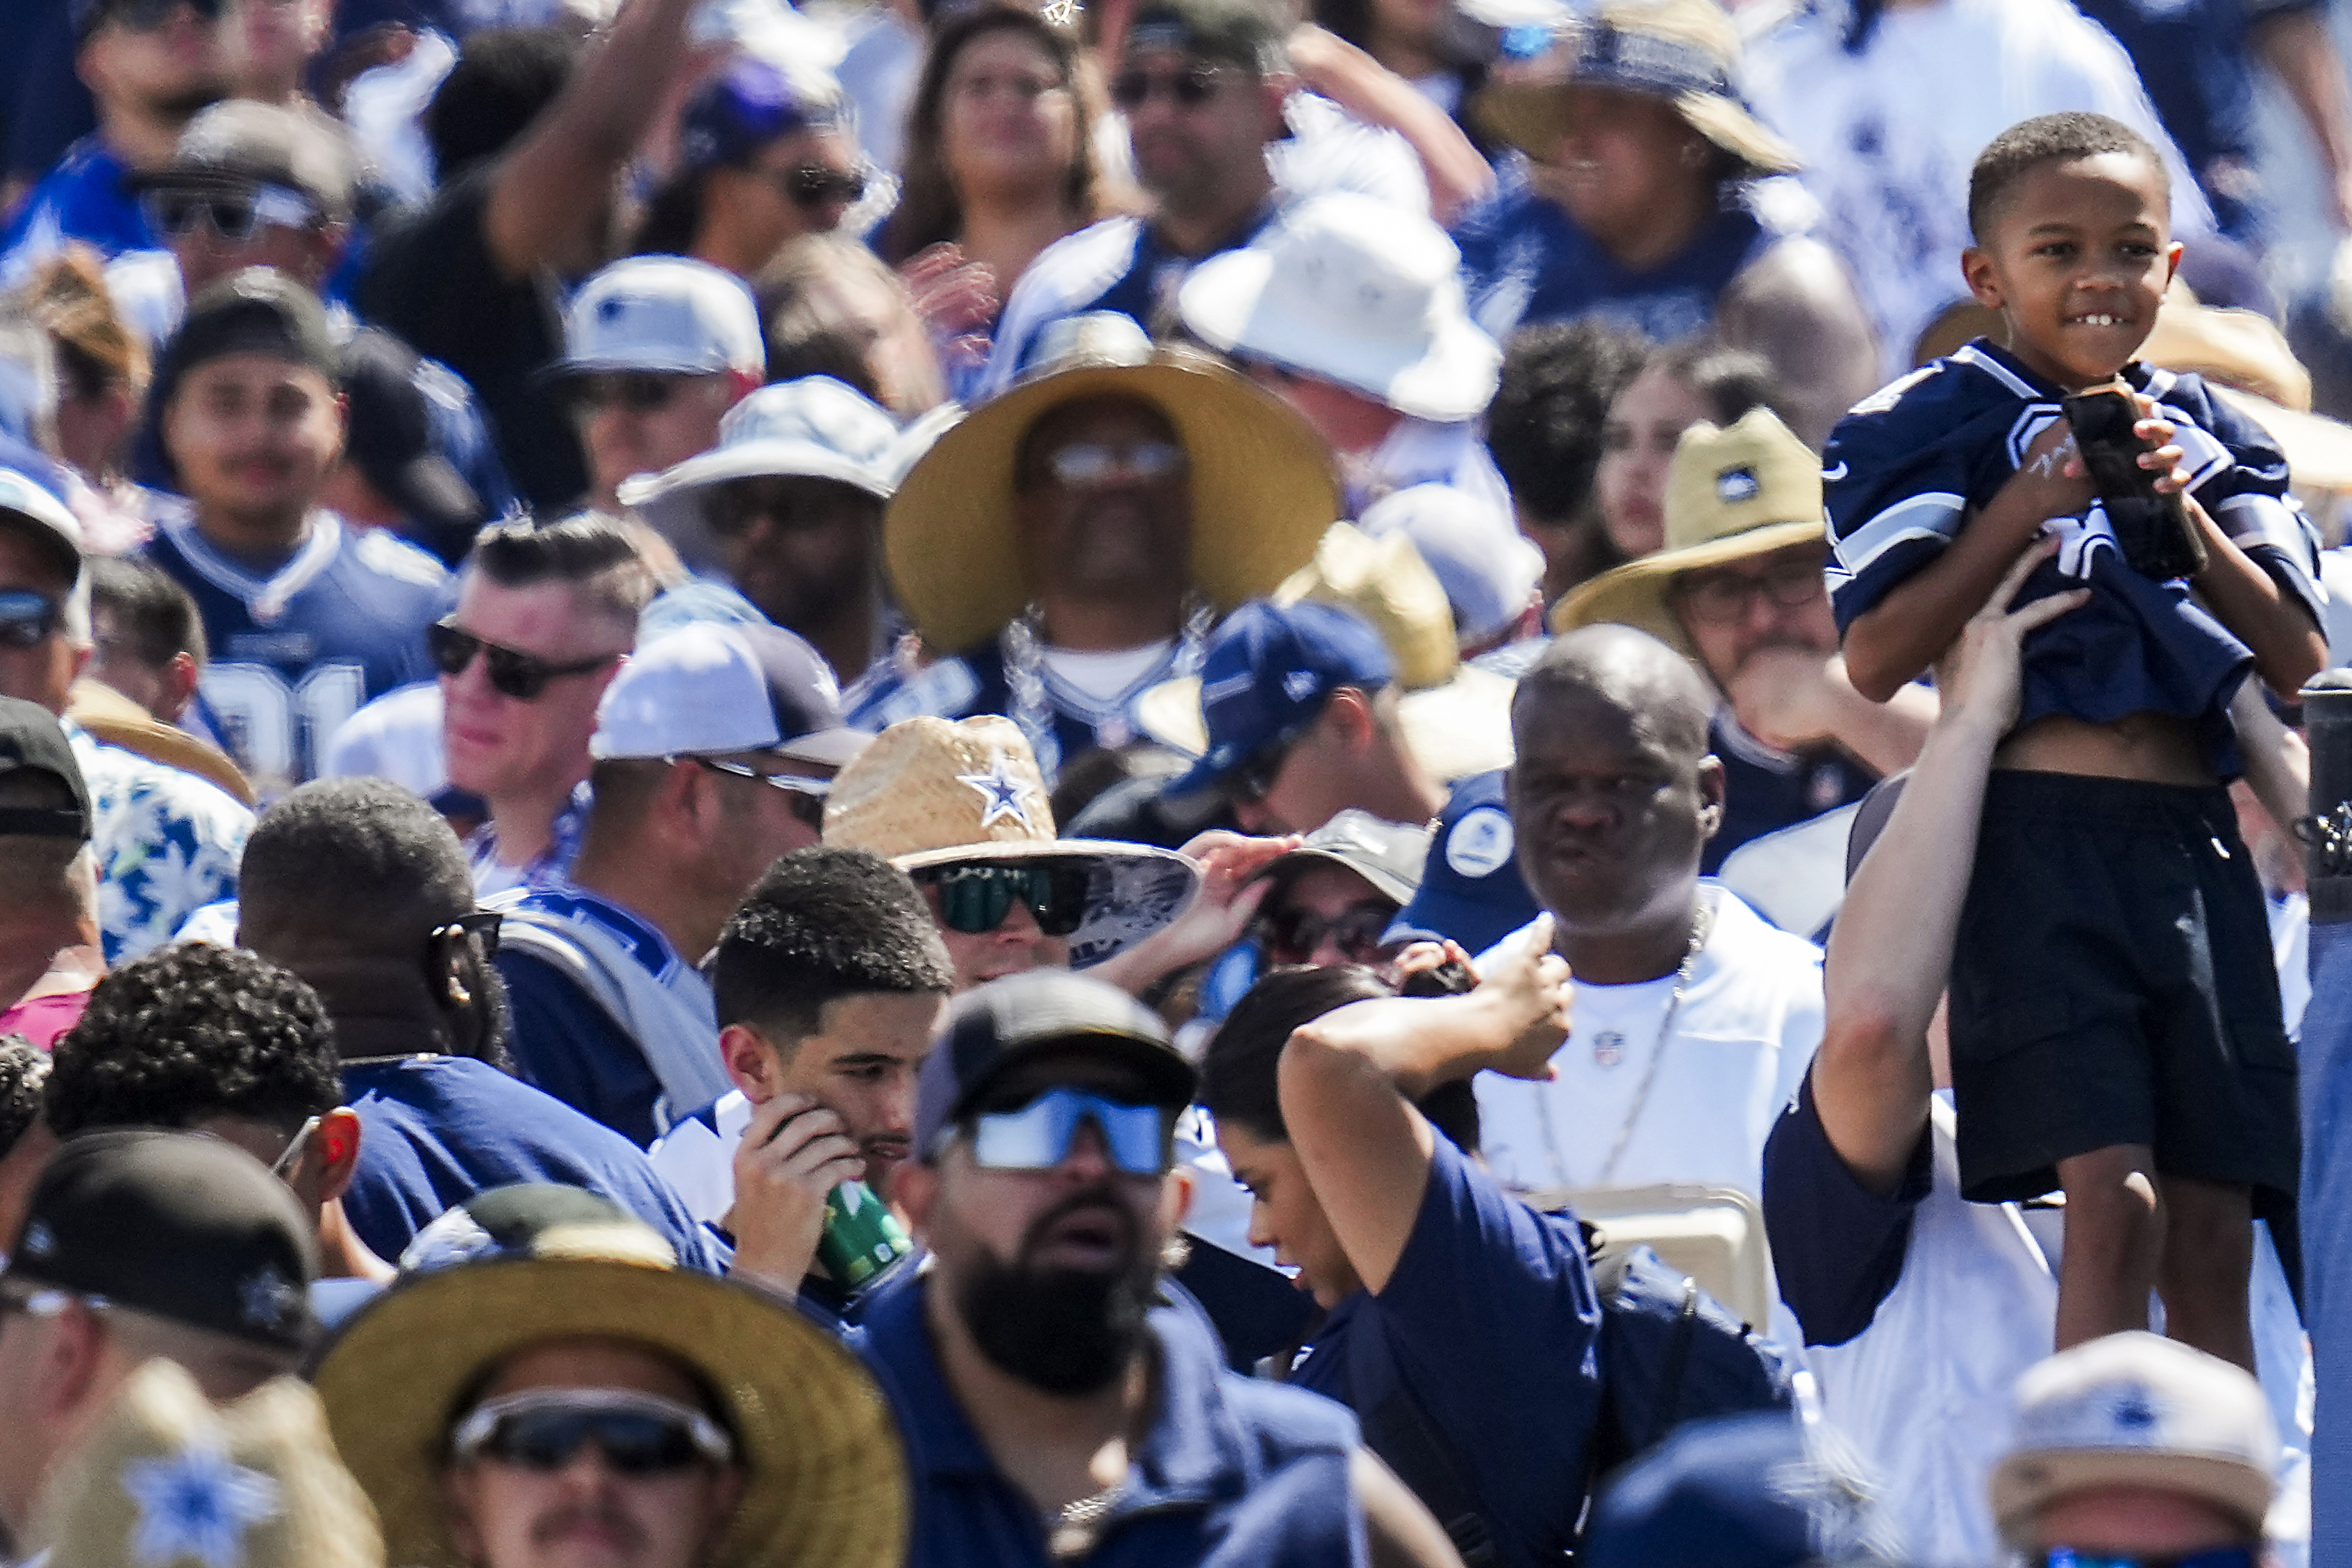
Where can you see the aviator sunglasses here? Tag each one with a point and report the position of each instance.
(512, 672)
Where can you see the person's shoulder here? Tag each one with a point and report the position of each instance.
(1751, 941)
(947, 687)
(383, 557)
(118, 776)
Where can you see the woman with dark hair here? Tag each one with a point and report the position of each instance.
(1674, 389)
(764, 158)
(999, 163)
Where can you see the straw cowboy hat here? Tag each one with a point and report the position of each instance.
(1745, 489)
(2245, 361)
(1685, 51)
(931, 792)
(520, 1266)
(1261, 481)
(166, 1478)
(1456, 717)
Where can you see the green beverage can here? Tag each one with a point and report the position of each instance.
(862, 1236)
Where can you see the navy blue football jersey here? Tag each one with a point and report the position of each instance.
(1909, 466)
(295, 653)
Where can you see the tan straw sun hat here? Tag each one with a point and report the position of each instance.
(167, 1480)
(935, 791)
(2245, 361)
(825, 1473)
(1262, 485)
(1685, 51)
(1747, 488)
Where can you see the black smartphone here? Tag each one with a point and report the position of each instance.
(2152, 528)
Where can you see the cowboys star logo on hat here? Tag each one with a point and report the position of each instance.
(197, 1505)
(39, 1240)
(1000, 792)
(1736, 485)
(1299, 685)
(267, 1298)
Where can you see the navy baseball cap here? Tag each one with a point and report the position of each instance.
(1264, 677)
(1471, 890)
(1744, 1491)
(744, 107)
(995, 1027)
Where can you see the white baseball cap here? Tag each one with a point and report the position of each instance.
(58, 528)
(711, 688)
(2137, 1410)
(662, 314)
(1351, 290)
(815, 426)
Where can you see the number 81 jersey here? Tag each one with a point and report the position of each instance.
(295, 653)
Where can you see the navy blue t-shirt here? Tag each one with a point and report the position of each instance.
(1494, 1330)
(1524, 263)
(298, 650)
(1837, 1246)
(568, 1045)
(1909, 466)
(438, 1130)
(1765, 791)
(1234, 1472)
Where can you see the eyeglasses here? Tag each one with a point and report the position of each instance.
(974, 900)
(1291, 935)
(811, 186)
(148, 16)
(1095, 463)
(232, 215)
(482, 925)
(1037, 1137)
(512, 672)
(635, 391)
(638, 1434)
(2219, 1557)
(27, 618)
(1721, 598)
(287, 1156)
(1190, 87)
(808, 794)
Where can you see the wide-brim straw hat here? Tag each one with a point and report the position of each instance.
(1260, 484)
(166, 1478)
(935, 791)
(1683, 51)
(1456, 717)
(2247, 363)
(1745, 489)
(826, 1474)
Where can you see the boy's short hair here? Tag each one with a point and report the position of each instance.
(24, 1068)
(194, 1031)
(824, 923)
(152, 612)
(2048, 139)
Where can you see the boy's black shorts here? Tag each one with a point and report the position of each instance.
(2113, 983)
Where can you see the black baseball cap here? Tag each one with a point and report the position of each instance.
(996, 1026)
(257, 310)
(1245, 32)
(32, 741)
(178, 1225)
(390, 437)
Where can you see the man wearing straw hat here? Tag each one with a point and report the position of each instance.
(1071, 542)
(1739, 590)
(544, 1389)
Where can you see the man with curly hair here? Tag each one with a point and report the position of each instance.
(219, 1040)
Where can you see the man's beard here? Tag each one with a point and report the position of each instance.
(1067, 1332)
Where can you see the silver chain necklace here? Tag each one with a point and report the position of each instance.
(1702, 923)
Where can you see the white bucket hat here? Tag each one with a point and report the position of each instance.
(1351, 289)
(816, 427)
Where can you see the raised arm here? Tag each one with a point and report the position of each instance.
(1891, 950)
(2302, 54)
(1376, 95)
(554, 187)
(1347, 1079)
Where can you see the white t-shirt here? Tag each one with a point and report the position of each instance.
(1888, 135)
(1739, 1045)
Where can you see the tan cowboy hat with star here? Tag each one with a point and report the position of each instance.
(1262, 484)
(935, 791)
(1683, 51)
(1456, 716)
(1745, 489)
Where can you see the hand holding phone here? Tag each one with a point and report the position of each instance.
(2152, 528)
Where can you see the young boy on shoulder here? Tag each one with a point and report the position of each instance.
(2114, 1016)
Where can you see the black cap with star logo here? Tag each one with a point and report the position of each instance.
(178, 1225)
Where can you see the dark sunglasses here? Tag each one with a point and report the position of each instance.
(1190, 87)
(27, 618)
(147, 15)
(1290, 935)
(638, 1434)
(1037, 1137)
(232, 215)
(2219, 1557)
(635, 391)
(806, 794)
(974, 900)
(811, 186)
(483, 925)
(512, 673)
